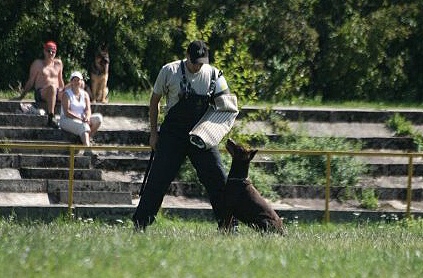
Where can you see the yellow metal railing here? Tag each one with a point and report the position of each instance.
(72, 149)
(328, 154)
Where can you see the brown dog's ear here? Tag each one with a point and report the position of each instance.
(253, 153)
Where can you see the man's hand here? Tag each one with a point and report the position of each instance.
(19, 90)
(154, 136)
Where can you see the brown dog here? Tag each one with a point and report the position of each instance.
(241, 198)
(99, 74)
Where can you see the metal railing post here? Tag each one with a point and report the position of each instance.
(327, 189)
(71, 177)
(410, 177)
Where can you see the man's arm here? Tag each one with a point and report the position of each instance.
(60, 75)
(154, 115)
(33, 72)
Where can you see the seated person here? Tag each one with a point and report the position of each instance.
(45, 76)
(76, 116)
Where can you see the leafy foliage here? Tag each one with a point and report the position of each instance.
(367, 51)
(242, 74)
(400, 125)
(269, 50)
(311, 169)
(403, 127)
(369, 199)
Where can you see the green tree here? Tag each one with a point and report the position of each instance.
(365, 54)
(269, 50)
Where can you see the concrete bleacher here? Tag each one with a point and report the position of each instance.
(124, 125)
(113, 177)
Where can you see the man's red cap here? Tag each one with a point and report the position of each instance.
(50, 45)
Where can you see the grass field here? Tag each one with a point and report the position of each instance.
(114, 96)
(144, 98)
(182, 248)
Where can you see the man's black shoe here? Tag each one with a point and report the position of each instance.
(52, 123)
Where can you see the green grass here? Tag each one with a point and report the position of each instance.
(116, 96)
(129, 97)
(11, 94)
(345, 104)
(182, 248)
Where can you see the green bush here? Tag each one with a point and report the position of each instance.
(368, 199)
(403, 127)
(311, 169)
(400, 125)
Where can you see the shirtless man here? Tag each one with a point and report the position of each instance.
(47, 79)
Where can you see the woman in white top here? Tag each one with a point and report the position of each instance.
(76, 114)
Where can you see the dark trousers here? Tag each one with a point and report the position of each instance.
(172, 148)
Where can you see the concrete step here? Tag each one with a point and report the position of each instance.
(109, 123)
(42, 134)
(390, 143)
(292, 113)
(14, 160)
(85, 191)
(383, 191)
(62, 148)
(18, 185)
(341, 193)
(379, 169)
(122, 137)
(332, 115)
(78, 197)
(371, 135)
(59, 173)
(139, 111)
(122, 163)
(376, 166)
(112, 110)
(11, 133)
(141, 137)
(13, 120)
(95, 197)
(56, 185)
(129, 161)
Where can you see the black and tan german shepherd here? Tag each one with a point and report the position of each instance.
(99, 75)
